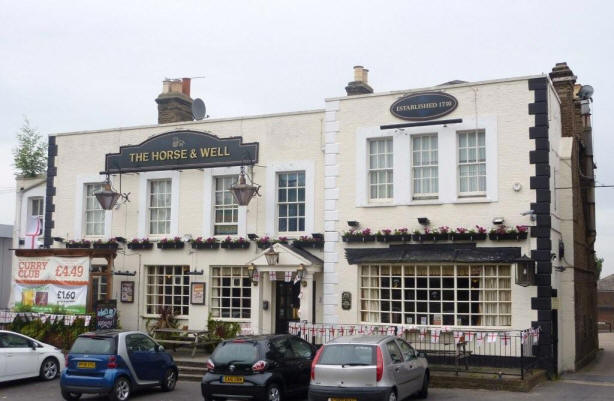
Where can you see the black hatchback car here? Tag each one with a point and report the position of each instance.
(263, 368)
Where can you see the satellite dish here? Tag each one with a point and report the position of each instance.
(198, 109)
(585, 92)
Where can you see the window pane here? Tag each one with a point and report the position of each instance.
(291, 201)
(472, 162)
(226, 209)
(380, 168)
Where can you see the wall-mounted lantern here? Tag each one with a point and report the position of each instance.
(242, 191)
(272, 257)
(253, 274)
(346, 300)
(525, 271)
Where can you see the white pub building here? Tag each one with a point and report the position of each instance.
(460, 206)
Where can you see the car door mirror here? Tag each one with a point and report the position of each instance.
(32, 344)
(159, 348)
(421, 354)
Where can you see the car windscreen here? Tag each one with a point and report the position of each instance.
(93, 345)
(235, 352)
(347, 354)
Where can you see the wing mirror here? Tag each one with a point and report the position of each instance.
(422, 355)
(32, 344)
(159, 348)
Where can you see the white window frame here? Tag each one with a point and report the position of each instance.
(216, 296)
(288, 202)
(41, 216)
(500, 286)
(478, 193)
(151, 209)
(371, 170)
(209, 176)
(270, 197)
(96, 211)
(143, 216)
(152, 289)
(79, 222)
(447, 166)
(423, 195)
(233, 207)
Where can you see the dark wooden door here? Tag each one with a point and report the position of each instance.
(287, 303)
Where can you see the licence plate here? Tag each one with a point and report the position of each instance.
(233, 379)
(86, 365)
(342, 399)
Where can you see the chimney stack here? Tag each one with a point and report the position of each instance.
(174, 103)
(360, 85)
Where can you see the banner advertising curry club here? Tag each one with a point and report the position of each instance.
(51, 284)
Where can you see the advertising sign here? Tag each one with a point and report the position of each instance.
(51, 284)
(182, 150)
(106, 315)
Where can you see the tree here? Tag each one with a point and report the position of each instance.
(30, 155)
(598, 266)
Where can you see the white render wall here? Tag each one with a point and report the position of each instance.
(499, 107)
(286, 141)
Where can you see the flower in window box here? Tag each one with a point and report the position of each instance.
(431, 235)
(305, 241)
(83, 243)
(264, 242)
(111, 243)
(461, 233)
(209, 243)
(358, 236)
(502, 233)
(281, 240)
(173, 243)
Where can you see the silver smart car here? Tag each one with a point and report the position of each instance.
(368, 368)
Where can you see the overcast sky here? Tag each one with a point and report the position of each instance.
(75, 65)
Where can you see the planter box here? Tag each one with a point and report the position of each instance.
(359, 238)
(231, 245)
(468, 237)
(105, 246)
(78, 245)
(205, 245)
(308, 244)
(392, 237)
(135, 245)
(171, 245)
(430, 237)
(264, 245)
(507, 236)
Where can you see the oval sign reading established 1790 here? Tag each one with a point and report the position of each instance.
(424, 106)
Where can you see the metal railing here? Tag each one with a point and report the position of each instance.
(455, 349)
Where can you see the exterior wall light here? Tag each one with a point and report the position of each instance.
(251, 271)
(272, 257)
(300, 272)
(525, 271)
(424, 221)
(242, 191)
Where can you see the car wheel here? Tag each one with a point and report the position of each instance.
(424, 391)
(120, 390)
(49, 369)
(273, 393)
(68, 396)
(170, 380)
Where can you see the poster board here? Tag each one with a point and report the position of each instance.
(51, 284)
(106, 315)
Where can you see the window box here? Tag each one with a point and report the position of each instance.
(140, 245)
(235, 245)
(308, 243)
(468, 236)
(430, 237)
(392, 237)
(359, 238)
(80, 244)
(205, 245)
(112, 245)
(507, 236)
(171, 245)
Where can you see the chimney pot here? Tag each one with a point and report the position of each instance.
(359, 85)
(185, 87)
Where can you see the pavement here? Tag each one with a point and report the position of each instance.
(593, 383)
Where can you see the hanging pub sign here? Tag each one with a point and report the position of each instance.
(424, 106)
(181, 150)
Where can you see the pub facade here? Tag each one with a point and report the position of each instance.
(431, 207)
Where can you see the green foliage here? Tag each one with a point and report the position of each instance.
(220, 330)
(56, 333)
(166, 320)
(598, 266)
(30, 155)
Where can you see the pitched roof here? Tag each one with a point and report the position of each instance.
(606, 283)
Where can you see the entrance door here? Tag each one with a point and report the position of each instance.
(287, 304)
